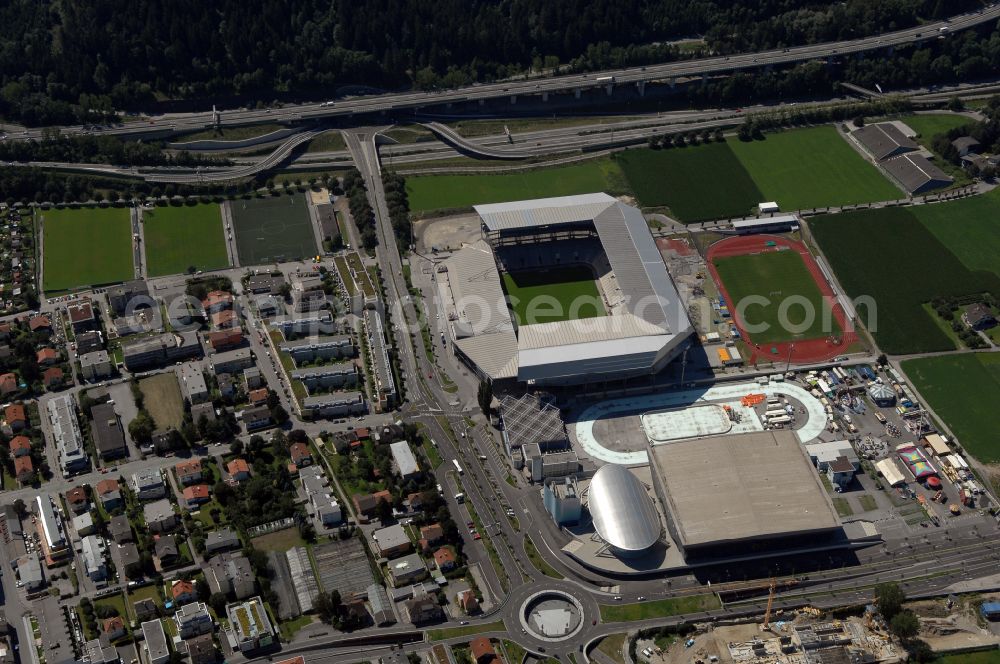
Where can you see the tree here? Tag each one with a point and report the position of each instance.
(324, 607)
(859, 121)
(905, 624)
(920, 651)
(204, 592)
(889, 597)
(20, 508)
(218, 603)
(141, 428)
(882, 360)
(485, 396)
(383, 510)
(955, 104)
(236, 447)
(279, 414)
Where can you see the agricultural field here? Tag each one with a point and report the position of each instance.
(891, 257)
(809, 168)
(444, 192)
(775, 276)
(969, 227)
(274, 229)
(85, 247)
(697, 183)
(161, 395)
(963, 389)
(550, 295)
(178, 238)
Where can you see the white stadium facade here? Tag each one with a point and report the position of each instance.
(645, 326)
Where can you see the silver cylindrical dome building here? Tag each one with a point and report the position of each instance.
(623, 513)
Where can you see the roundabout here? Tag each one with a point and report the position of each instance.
(551, 615)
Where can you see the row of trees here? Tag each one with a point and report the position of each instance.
(681, 139)
(361, 209)
(399, 208)
(76, 60)
(100, 150)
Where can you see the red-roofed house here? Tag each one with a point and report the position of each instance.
(15, 417)
(258, 397)
(238, 470)
(225, 339)
(47, 356)
(301, 456)
(467, 600)
(76, 498)
(362, 433)
(482, 650)
(224, 319)
(24, 470)
(20, 446)
(113, 628)
(81, 316)
(189, 472)
(53, 377)
(433, 533)
(183, 592)
(5, 329)
(217, 301)
(40, 323)
(8, 383)
(195, 495)
(109, 493)
(365, 504)
(445, 559)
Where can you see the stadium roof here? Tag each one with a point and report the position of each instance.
(916, 173)
(531, 419)
(730, 488)
(623, 513)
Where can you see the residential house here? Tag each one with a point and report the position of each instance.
(231, 361)
(224, 340)
(301, 456)
(206, 410)
(160, 516)
(195, 495)
(392, 541)
(250, 627)
(182, 592)
(109, 494)
(81, 316)
(20, 446)
(53, 378)
(192, 382)
(230, 573)
(189, 472)
(15, 417)
(482, 650)
(40, 323)
(131, 560)
(96, 365)
(433, 533)
(965, 145)
(109, 437)
(47, 356)
(145, 609)
(258, 397)
(88, 342)
(128, 295)
(83, 524)
(120, 529)
(148, 484)
(223, 539)
(979, 317)
(217, 301)
(367, 504)
(445, 559)
(93, 558)
(253, 378)
(238, 469)
(201, 649)
(76, 497)
(467, 601)
(193, 619)
(224, 320)
(420, 610)
(113, 628)
(24, 470)
(406, 570)
(257, 418)
(8, 384)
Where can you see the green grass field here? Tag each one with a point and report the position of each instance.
(273, 229)
(969, 227)
(658, 608)
(438, 192)
(181, 237)
(162, 398)
(680, 178)
(991, 656)
(85, 248)
(963, 390)
(891, 257)
(929, 125)
(556, 294)
(808, 168)
(776, 276)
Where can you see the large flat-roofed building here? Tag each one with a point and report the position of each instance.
(645, 325)
(321, 347)
(155, 644)
(339, 375)
(55, 544)
(334, 404)
(160, 349)
(740, 493)
(385, 384)
(321, 322)
(109, 437)
(67, 435)
(250, 627)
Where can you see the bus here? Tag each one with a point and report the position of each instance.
(457, 466)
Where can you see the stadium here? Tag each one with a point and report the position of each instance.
(562, 291)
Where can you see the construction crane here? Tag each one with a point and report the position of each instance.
(766, 625)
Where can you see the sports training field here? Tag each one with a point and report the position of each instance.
(905, 257)
(85, 248)
(963, 389)
(438, 192)
(813, 167)
(181, 237)
(680, 178)
(273, 229)
(928, 125)
(776, 276)
(548, 296)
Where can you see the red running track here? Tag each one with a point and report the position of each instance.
(805, 351)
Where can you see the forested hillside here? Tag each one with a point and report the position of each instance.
(73, 60)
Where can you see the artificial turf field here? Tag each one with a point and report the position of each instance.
(963, 389)
(551, 295)
(776, 276)
(679, 177)
(905, 257)
(812, 167)
(270, 230)
(441, 192)
(185, 236)
(85, 247)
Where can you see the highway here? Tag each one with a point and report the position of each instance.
(557, 84)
